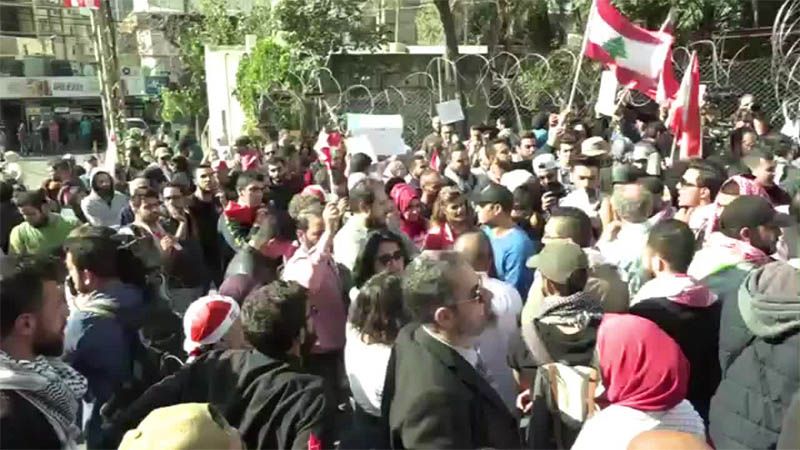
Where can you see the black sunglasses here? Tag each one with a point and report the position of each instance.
(389, 257)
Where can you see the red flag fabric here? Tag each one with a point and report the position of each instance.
(641, 59)
(325, 142)
(93, 4)
(685, 113)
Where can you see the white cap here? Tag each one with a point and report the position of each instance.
(544, 163)
(514, 179)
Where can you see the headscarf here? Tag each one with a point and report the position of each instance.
(641, 366)
(403, 194)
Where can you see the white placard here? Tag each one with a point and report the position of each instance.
(357, 122)
(450, 112)
(377, 143)
(701, 93)
(607, 97)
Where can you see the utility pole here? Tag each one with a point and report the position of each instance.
(112, 95)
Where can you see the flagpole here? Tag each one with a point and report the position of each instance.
(580, 58)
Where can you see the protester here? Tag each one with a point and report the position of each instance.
(493, 343)
(212, 323)
(435, 393)
(259, 391)
(586, 195)
(186, 275)
(458, 171)
(622, 241)
(257, 263)
(412, 223)
(563, 331)
(762, 165)
(369, 206)
(758, 347)
(41, 232)
(204, 210)
(186, 426)
(372, 328)
(451, 218)
(527, 211)
(242, 215)
(280, 186)
(136, 188)
(106, 316)
(103, 206)
(40, 394)
(72, 189)
(510, 245)
(10, 216)
(430, 183)
(749, 232)
(383, 252)
(686, 310)
(646, 378)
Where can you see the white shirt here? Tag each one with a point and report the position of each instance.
(470, 354)
(614, 427)
(365, 365)
(626, 249)
(493, 342)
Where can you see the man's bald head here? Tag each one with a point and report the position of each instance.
(476, 249)
(569, 223)
(667, 439)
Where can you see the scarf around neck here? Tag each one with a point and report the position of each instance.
(678, 288)
(576, 309)
(51, 385)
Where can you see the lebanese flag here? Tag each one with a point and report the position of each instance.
(93, 4)
(641, 59)
(684, 117)
(325, 142)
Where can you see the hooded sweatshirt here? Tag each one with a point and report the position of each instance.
(689, 313)
(758, 347)
(98, 343)
(100, 211)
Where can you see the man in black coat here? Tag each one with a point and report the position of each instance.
(261, 392)
(444, 398)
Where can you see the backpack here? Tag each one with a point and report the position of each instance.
(564, 398)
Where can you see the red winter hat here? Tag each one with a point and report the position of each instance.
(207, 320)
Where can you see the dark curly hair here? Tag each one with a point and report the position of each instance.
(273, 316)
(364, 267)
(378, 313)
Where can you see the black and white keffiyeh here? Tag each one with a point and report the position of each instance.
(577, 309)
(51, 385)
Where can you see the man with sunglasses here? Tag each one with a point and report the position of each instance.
(697, 189)
(586, 195)
(438, 393)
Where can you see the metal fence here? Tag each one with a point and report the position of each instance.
(499, 92)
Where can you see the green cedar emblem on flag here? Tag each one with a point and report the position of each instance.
(616, 48)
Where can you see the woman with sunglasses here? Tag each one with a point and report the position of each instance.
(383, 252)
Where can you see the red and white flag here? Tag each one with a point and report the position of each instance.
(324, 145)
(684, 117)
(93, 4)
(641, 59)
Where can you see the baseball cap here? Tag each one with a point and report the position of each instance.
(558, 260)
(595, 146)
(750, 211)
(184, 426)
(516, 178)
(495, 193)
(626, 174)
(544, 163)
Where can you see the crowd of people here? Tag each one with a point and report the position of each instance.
(547, 288)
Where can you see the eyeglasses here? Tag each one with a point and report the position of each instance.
(476, 295)
(683, 183)
(386, 258)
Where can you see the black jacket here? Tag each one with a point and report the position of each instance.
(696, 330)
(23, 426)
(272, 404)
(434, 398)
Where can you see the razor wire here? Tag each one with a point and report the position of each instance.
(517, 86)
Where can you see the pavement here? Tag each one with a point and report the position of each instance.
(35, 168)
